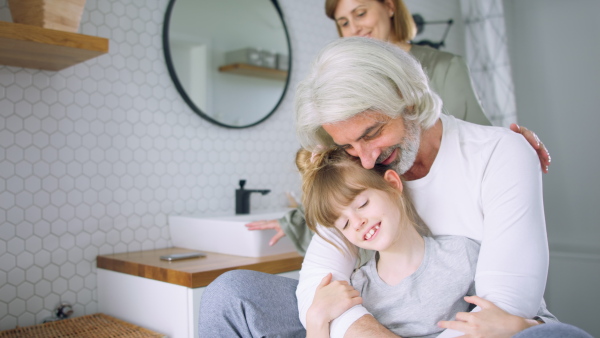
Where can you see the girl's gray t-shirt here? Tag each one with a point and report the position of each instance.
(434, 292)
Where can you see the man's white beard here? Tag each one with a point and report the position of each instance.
(409, 147)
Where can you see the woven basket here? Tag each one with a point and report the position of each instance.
(97, 326)
(63, 15)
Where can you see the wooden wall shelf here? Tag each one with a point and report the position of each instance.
(255, 71)
(40, 48)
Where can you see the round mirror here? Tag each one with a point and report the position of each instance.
(229, 59)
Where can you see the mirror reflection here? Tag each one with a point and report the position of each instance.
(229, 59)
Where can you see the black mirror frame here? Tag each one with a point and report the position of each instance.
(181, 90)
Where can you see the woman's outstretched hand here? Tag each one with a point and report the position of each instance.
(490, 322)
(535, 142)
(265, 225)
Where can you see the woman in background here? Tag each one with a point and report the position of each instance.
(390, 20)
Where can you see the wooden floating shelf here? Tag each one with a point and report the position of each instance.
(40, 48)
(255, 71)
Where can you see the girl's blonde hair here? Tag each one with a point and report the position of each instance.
(331, 179)
(402, 21)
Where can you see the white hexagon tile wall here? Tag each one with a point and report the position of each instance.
(95, 157)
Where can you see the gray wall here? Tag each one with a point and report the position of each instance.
(555, 49)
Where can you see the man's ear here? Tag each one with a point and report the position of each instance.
(393, 179)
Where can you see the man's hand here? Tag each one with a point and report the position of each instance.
(537, 145)
(490, 322)
(266, 225)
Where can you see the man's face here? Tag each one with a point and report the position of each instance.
(377, 138)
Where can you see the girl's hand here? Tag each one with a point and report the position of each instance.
(330, 301)
(491, 321)
(266, 225)
(537, 145)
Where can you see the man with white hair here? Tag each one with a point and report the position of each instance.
(481, 182)
(374, 100)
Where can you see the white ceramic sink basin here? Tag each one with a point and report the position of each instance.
(227, 235)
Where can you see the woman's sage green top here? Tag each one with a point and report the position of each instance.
(449, 77)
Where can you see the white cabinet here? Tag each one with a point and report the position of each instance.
(159, 306)
(164, 296)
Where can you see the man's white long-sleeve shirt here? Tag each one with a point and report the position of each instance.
(485, 184)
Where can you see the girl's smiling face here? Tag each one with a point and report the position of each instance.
(371, 221)
(366, 18)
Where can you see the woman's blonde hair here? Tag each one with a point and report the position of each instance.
(403, 24)
(332, 179)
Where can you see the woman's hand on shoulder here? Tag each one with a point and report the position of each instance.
(537, 145)
(490, 322)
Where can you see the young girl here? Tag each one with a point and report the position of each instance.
(414, 280)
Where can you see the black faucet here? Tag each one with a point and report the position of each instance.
(242, 198)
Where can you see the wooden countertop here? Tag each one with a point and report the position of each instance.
(194, 272)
